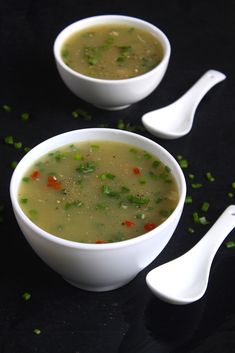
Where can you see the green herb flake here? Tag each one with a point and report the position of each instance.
(37, 331)
(120, 124)
(195, 217)
(77, 157)
(26, 179)
(188, 199)
(233, 185)
(105, 176)
(138, 200)
(107, 191)
(76, 204)
(81, 113)
(86, 168)
(183, 163)
(13, 164)
(140, 216)
(205, 206)
(7, 108)
(230, 244)
(25, 116)
(191, 230)
(18, 145)
(196, 185)
(191, 176)
(26, 296)
(230, 194)
(9, 140)
(23, 200)
(210, 177)
(156, 164)
(142, 181)
(27, 149)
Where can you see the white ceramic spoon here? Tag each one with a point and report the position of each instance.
(184, 280)
(176, 119)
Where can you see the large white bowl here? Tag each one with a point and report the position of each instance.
(111, 94)
(97, 267)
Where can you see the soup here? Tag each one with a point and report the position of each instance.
(112, 51)
(98, 192)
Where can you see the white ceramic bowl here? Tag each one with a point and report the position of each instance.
(111, 94)
(97, 267)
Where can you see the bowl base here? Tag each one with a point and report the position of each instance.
(101, 288)
(112, 108)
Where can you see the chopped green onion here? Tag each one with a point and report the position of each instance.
(196, 185)
(120, 124)
(205, 206)
(77, 157)
(191, 176)
(233, 185)
(9, 140)
(14, 164)
(26, 179)
(183, 163)
(210, 177)
(26, 296)
(105, 176)
(138, 200)
(23, 200)
(230, 194)
(230, 244)
(156, 164)
(140, 216)
(188, 199)
(6, 108)
(191, 230)
(37, 331)
(25, 116)
(81, 113)
(18, 145)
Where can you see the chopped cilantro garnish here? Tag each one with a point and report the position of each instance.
(25, 116)
(205, 206)
(210, 177)
(6, 108)
(9, 140)
(26, 296)
(188, 199)
(37, 331)
(230, 244)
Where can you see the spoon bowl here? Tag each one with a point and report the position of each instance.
(176, 119)
(184, 279)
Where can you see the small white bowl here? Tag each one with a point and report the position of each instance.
(97, 267)
(111, 94)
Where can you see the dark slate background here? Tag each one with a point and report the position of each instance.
(130, 319)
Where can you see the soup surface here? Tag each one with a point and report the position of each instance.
(98, 192)
(112, 51)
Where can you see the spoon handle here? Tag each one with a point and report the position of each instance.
(212, 240)
(202, 86)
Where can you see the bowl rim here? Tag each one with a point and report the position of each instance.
(14, 185)
(71, 28)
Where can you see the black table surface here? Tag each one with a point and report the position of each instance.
(130, 319)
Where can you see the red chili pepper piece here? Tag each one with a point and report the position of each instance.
(100, 242)
(136, 171)
(52, 182)
(149, 226)
(128, 223)
(35, 175)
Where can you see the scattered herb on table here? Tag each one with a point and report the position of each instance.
(26, 296)
(37, 331)
(230, 244)
(6, 107)
(25, 116)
